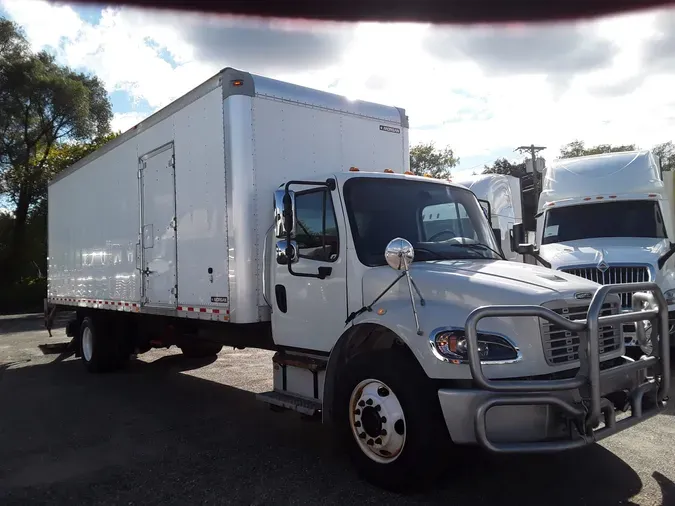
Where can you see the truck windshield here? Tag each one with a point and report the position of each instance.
(628, 218)
(440, 221)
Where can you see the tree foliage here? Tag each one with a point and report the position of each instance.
(425, 158)
(504, 166)
(42, 105)
(665, 155)
(578, 148)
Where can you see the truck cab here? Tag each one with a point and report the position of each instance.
(397, 317)
(608, 218)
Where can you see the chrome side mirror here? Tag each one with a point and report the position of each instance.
(281, 252)
(399, 254)
(280, 222)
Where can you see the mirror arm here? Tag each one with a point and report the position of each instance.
(324, 272)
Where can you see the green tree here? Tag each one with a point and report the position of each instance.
(578, 148)
(42, 105)
(665, 155)
(426, 159)
(503, 166)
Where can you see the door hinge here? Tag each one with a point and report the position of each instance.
(172, 161)
(174, 291)
(173, 224)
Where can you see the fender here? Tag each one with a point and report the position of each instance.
(367, 324)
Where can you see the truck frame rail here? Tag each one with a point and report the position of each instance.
(589, 379)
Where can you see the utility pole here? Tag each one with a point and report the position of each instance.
(533, 150)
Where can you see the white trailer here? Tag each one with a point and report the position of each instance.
(241, 215)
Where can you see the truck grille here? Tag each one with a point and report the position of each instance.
(612, 276)
(562, 346)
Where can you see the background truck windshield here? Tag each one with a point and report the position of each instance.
(628, 218)
(441, 221)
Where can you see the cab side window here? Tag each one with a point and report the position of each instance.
(316, 232)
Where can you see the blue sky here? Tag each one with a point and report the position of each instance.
(482, 91)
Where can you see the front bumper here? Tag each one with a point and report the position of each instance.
(544, 415)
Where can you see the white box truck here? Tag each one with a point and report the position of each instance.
(609, 218)
(241, 215)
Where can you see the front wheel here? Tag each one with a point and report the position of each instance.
(389, 417)
(97, 347)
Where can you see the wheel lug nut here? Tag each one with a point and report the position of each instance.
(357, 411)
(378, 441)
(362, 435)
(378, 407)
(383, 419)
(357, 424)
(369, 402)
(361, 403)
(369, 442)
(382, 391)
(383, 432)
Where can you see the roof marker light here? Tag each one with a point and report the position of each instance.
(587, 198)
(238, 82)
(353, 169)
(388, 171)
(612, 196)
(653, 195)
(599, 197)
(409, 173)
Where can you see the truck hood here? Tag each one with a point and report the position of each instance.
(613, 250)
(479, 282)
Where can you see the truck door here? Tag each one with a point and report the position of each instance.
(308, 311)
(158, 227)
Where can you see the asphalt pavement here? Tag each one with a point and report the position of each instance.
(171, 430)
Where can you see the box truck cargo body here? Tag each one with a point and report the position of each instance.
(197, 179)
(256, 213)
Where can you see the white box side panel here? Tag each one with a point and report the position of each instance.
(94, 213)
(200, 202)
(293, 141)
(93, 230)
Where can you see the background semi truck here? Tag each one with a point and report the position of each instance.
(503, 193)
(241, 215)
(609, 218)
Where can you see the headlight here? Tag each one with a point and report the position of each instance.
(450, 345)
(670, 296)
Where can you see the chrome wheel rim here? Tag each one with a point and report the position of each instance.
(377, 421)
(87, 344)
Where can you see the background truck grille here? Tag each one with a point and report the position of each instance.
(614, 275)
(562, 346)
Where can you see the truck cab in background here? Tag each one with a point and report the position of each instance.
(502, 193)
(609, 218)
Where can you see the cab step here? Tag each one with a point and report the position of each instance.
(305, 406)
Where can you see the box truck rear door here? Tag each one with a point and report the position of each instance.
(158, 220)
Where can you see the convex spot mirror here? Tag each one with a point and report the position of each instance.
(399, 254)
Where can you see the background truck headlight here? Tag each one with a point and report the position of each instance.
(670, 296)
(450, 345)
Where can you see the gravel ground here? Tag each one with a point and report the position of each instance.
(170, 430)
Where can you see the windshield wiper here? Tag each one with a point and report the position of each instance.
(481, 247)
(437, 255)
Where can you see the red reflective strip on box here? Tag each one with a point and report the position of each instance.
(202, 310)
(216, 311)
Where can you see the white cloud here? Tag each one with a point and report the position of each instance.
(589, 81)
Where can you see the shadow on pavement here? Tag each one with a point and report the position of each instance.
(153, 434)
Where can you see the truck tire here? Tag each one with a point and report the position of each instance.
(97, 347)
(200, 348)
(388, 417)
